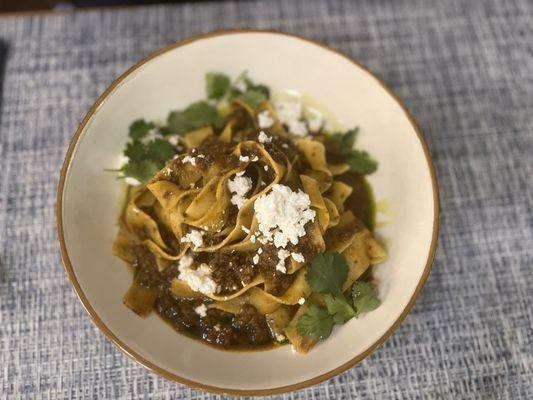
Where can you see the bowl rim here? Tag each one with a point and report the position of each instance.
(161, 371)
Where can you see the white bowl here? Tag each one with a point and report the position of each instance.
(89, 199)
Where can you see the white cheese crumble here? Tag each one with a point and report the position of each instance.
(290, 114)
(282, 215)
(301, 300)
(315, 124)
(297, 128)
(282, 256)
(253, 238)
(239, 186)
(174, 140)
(265, 167)
(244, 158)
(132, 181)
(198, 279)
(280, 337)
(260, 250)
(217, 327)
(201, 310)
(255, 159)
(185, 262)
(264, 119)
(189, 159)
(194, 237)
(298, 257)
(263, 138)
(245, 229)
(255, 259)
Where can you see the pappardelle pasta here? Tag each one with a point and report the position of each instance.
(248, 221)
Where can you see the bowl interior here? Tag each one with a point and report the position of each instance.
(91, 200)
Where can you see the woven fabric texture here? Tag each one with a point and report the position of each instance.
(465, 71)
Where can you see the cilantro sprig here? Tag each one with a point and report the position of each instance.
(219, 87)
(358, 160)
(195, 116)
(326, 275)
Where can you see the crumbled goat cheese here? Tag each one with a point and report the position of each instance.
(280, 337)
(301, 300)
(189, 159)
(244, 158)
(298, 257)
(265, 167)
(290, 114)
(185, 262)
(263, 138)
(254, 159)
(132, 181)
(217, 327)
(260, 250)
(290, 109)
(245, 229)
(201, 156)
(198, 279)
(297, 128)
(282, 256)
(255, 259)
(201, 310)
(194, 237)
(315, 124)
(264, 119)
(252, 238)
(282, 215)
(239, 186)
(174, 140)
(285, 145)
(192, 185)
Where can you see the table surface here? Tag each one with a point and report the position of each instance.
(463, 68)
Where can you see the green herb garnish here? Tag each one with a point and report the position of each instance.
(339, 308)
(315, 323)
(364, 297)
(216, 85)
(197, 115)
(359, 161)
(145, 159)
(326, 275)
(140, 128)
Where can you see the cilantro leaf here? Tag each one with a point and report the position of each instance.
(339, 308)
(327, 273)
(195, 116)
(142, 171)
(345, 141)
(361, 162)
(140, 128)
(315, 323)
(216, 84)
(145, 159)
(253, 98)
(159, 151)
(364, 297)
(135, 151)
(250, 86)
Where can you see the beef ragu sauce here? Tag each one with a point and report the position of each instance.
(244, 331)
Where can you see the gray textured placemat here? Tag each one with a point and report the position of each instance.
(464, 69)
